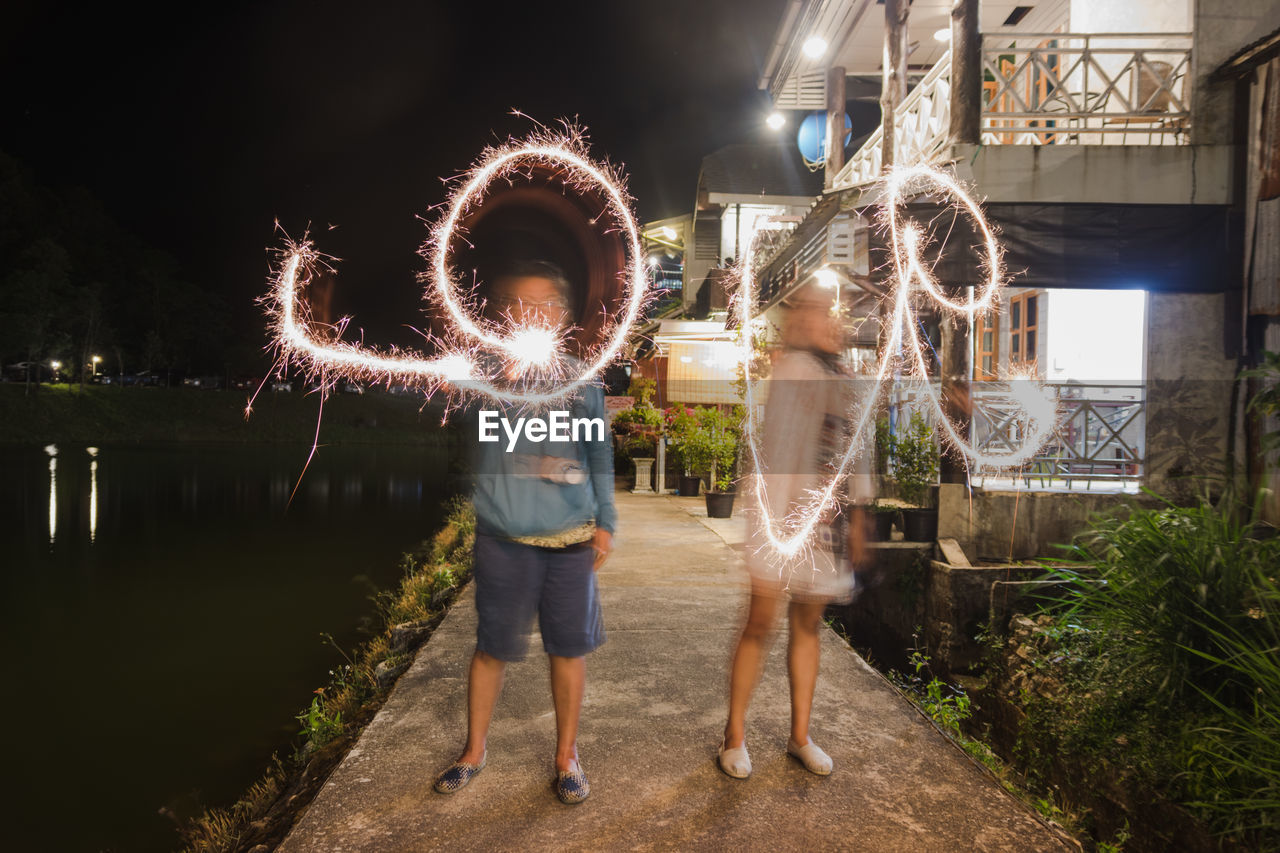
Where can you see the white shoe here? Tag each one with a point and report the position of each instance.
(811, 756)
(735, 762)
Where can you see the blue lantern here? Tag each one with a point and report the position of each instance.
(812, 137)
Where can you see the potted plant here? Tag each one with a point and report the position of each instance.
(915, 467)
(681, 422)
(883, 517)
(716, 440)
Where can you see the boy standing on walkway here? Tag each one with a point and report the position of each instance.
(545, 520)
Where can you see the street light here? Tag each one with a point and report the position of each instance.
(97, 359)
(814, 47)
(828, 279)
(55, 365)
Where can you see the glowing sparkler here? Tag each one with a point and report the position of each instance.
(530, 350)
(787, 538)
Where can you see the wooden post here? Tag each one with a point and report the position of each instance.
(957, 405)
(894, 82)
(835, 126)
(966, 73)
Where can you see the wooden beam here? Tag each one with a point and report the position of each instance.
(835, 125)
(893, 87)
(966, 73)
(957, 405)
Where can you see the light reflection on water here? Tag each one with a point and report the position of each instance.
(93, 492)
(165, 595)
(267, 490)
(52, 450)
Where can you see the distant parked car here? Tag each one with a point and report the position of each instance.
(204, 383)
(282, 385)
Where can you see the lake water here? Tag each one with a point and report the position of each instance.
(162, 612)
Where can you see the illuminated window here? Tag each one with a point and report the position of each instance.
(987, 347)
(1024, 327)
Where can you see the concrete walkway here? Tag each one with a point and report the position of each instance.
(655, 709)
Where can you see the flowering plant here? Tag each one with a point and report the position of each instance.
(680, 421)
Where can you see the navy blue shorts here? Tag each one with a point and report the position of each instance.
(514, 580)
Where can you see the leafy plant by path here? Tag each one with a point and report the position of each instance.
(945, 704)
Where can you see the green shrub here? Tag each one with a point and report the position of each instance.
(679, 423)
(1266, 403)
(1173, 652)
(915, 460)
(712, 445)
(1175, 581)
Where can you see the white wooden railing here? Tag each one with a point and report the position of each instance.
(1048, 89)
(921, 127)
(1112, 89)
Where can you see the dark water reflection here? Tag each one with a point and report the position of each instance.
(162, 613)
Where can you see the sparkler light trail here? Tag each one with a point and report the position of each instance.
(787, 538)
(478, 358)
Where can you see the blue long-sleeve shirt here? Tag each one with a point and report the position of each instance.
(511, 500)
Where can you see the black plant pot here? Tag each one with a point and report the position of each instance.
(719, 504)
(884, 525)
(920, 525)
(689, 486)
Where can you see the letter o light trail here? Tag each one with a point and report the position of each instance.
(525, 346)
(787, 538)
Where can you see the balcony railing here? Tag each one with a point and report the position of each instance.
(1048, 89)
(1111, 89)
(1100, 437)
(1099, 440)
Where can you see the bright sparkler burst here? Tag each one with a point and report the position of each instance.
(788, 537)
(476, 358)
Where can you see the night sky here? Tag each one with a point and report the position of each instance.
(200, 125)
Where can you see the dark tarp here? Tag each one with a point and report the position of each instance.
(1167, 248)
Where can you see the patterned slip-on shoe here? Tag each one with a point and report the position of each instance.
(572, 786)
(458, 776)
